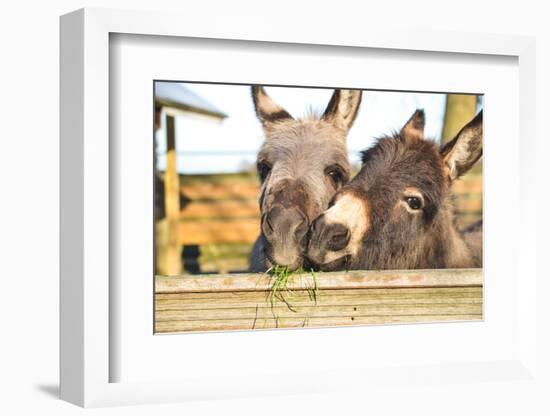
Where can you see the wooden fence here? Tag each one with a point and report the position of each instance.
(247, 301)
(219, 210)
(223, 210)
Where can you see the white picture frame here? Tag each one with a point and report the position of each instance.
(86, 264)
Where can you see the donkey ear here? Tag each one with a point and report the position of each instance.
(267, 110)
(465, 149)
(342, 108)
(414, 128)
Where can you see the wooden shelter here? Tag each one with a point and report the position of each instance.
(173, 99)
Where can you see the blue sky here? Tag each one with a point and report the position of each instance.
(207, 146)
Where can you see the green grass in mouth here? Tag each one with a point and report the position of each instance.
(281, 276)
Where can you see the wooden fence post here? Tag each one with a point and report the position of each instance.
(170, 263)
(459, 110)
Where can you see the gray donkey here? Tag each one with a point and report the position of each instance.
(301, 165)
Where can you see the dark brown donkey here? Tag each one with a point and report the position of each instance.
(301, 164)
(397, 212)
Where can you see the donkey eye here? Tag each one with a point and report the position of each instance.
(414, 202)
(263, 170)
(336, 175)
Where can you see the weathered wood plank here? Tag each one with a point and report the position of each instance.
(469, 205)
(219, 231)
(229, 190)
(220, 210)
(189, 301)
(238, 302)
(317, 311)
(335, 280)
(470, 184)
(373, 292)
(241, 324)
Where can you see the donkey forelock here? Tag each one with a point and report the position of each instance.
(301, 164)
(302, 150)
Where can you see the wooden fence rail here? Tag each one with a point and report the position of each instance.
(246, 301)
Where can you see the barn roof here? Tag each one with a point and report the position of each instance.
(176, 95)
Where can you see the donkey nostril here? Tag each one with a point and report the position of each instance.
(271, 219)
(339, 239)
(268, 221)
(301, 230)
(316, 222)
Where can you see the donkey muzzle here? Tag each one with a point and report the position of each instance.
(326, 241)
(285, 231)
